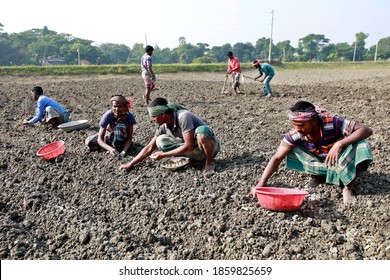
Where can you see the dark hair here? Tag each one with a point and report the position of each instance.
(303, 106)
(256, 63)
(38, 90)
(229, 53)
(158, 101)
(149, 48)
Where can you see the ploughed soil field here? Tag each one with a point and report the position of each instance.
(81, 206)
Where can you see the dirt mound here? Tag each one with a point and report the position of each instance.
(80, 206)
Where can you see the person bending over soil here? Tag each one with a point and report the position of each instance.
(269, 72)
(330, 148)
(180, 133)
(48, 111)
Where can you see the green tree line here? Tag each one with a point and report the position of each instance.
(44, 46)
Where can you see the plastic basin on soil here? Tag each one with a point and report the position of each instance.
(52, 150)
(74, 125)
(280, 199)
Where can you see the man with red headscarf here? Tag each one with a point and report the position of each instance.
(268, 72)
(330, 148)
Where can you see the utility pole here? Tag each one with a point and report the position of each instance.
(376, 48)
(354, 51)
(270, 38)
(146, 40)
(78, 55)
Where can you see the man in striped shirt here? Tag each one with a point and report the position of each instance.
(147, 73)
(330, 148)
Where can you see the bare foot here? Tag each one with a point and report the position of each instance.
(209, 167)
(348, 196)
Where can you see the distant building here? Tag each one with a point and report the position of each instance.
(85, 62)
(54, 60)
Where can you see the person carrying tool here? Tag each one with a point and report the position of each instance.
(147, 73)
(234, 69)
(268, 71)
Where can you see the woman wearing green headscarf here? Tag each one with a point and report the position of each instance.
(180, 133)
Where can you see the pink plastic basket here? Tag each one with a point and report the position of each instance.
(280, 199)
(52, 150)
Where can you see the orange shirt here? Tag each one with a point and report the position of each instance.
(234, 63)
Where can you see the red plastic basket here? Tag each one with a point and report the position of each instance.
(280, 199)
(52, 150)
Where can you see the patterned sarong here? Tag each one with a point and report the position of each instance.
(147, 79)
(236, 79)
(168, 143)
(301, 160)
(115, 137)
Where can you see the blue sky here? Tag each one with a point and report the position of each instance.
(216, 22)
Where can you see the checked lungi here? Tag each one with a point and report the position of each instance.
(301, 160)
(167, 143)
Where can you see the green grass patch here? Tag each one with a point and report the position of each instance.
(335, 65)
(175, 68)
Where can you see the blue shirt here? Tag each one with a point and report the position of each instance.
(43, 102)
(265, 68)
(108, 119)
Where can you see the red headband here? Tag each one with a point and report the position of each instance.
(126, 102)
(305, 116)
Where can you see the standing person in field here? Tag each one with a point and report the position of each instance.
(234, 69)
(147, 73)
(330, 148)
(48, 111)
(116, 128)
(268, 71)
(180, 133)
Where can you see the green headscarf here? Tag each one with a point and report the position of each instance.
(161, 109)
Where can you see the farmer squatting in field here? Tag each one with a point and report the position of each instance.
(180, 133)
(116, 129)
(48, 111)
(330, 148)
